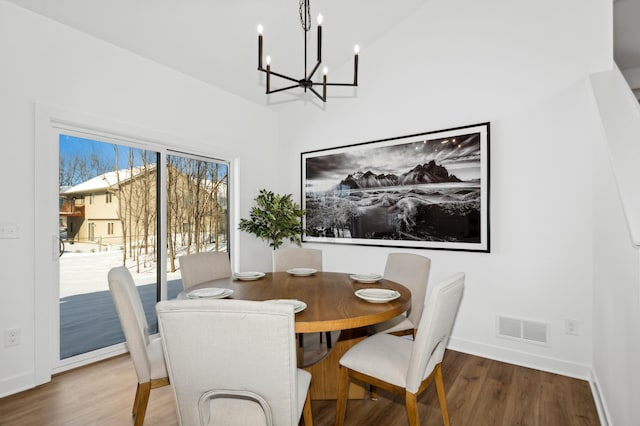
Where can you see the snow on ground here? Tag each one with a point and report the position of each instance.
(83, 271)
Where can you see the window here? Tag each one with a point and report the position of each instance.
(108, 197)
(110, 228)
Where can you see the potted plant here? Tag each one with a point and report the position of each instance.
(274, 218)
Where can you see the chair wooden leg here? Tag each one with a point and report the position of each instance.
(441, 395)
(306, 411)
(411, 400)
(134, 410)
(144, 389)
(373, 392)
(343, 391)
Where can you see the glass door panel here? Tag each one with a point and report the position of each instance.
(197, 211)
(107, 215)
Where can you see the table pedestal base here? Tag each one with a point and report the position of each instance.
(324, 374)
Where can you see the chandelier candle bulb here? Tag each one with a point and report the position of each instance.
(356, 50)
(259, 47)
(319, 38)
(324, 83)
(268, 74)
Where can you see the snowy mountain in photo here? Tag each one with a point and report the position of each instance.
(420, 174)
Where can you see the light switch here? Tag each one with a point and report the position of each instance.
(9, 230)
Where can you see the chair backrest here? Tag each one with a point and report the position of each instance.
(198, 268)
(132, 319)
(440, 310)
(296, 257)
(412, 271)
(224, 355)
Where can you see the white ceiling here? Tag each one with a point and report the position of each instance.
(215, 41)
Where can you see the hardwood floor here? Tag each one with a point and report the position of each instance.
(479, 392)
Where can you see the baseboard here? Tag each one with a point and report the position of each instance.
(523, 359)
(16, 384)
(601, 406)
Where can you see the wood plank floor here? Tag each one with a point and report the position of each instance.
(479, 392)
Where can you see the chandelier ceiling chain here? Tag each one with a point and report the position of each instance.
(305, 18)
(306, 82)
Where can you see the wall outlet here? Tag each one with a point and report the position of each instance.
(12, 337)
(571, 327)
(9, 230)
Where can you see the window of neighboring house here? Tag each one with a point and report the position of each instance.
(108, 197)
(91, 198)
(110, 228)
(92, 231)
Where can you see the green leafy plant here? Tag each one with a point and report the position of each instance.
(274, 218)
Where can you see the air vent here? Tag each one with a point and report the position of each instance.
(523, 330)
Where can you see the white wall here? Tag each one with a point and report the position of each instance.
(523, 67)
(42, 61)
(616, 308)
(518, 66)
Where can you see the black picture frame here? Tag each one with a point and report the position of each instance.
(427, 190)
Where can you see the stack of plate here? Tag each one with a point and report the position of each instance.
(298, 305)
(302, 272)
(210, 293)
(377, 295)
(366, 278)
(248, 276)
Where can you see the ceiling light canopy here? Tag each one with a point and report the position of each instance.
(307, 81)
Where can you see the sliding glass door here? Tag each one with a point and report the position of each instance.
(110, 199)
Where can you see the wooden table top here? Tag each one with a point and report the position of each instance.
(331, 302)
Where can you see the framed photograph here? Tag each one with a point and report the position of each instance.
(428, 190)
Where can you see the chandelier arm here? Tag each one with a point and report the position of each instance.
(277, 74)
(338, 84)
(313, 71)
(317, 94)
(282, 89)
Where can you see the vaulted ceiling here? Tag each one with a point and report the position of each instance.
(215, 41)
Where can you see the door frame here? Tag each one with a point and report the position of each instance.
(50, 121)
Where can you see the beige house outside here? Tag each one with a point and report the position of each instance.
(91, 211)
(117, 210)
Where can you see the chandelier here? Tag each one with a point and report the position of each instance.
(306, 82)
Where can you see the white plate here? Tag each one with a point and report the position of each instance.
(210, 293)
(377, 295)
(302, 272)
(298, 305)
(248, 276)
(366, 278)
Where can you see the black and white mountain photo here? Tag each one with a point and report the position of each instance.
(426, 190)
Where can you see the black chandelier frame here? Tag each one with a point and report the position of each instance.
(306, 82)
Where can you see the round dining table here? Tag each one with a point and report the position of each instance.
(331, 305)
(331, 302)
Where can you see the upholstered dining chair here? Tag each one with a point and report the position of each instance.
(145, 351)
(233, 362)
(296, 257)
(405, 366)
(198, 268)
(299, 257)
(412, 271)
